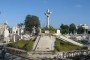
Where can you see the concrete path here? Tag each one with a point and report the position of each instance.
(46, 43)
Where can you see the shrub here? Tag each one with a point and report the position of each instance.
(65, 46)
(28, 46)
(22, 44)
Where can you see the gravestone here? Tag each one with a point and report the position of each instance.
(6, 35)
(58, 32)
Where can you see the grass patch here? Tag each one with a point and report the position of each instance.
(22, 44)
(65, 46)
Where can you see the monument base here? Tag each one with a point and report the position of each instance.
(47, 31)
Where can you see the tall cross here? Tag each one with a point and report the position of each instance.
(48, 13)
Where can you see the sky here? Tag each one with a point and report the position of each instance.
(63, 11)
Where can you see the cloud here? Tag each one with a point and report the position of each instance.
(78, 5)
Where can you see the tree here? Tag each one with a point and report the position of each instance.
(20, 24)
(80, 30)
(72, 28)
(52, 29)
(89, 32)
(30, 22)
(64, 29)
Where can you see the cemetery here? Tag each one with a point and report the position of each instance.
(48, 40)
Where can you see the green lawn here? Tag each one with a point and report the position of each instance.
(65, 46)
(22, 44)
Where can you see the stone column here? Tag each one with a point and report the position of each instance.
(14, 38)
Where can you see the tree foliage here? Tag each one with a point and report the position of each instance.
(30, 22)
(80, 30)
(89, 32)
(20, 24)
(72, 28)
(64, 29)
(51, 29)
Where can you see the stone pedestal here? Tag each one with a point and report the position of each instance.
(47, 31)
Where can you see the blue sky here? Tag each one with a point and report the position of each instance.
(63, 11)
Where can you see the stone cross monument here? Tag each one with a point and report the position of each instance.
(6, 34)
(47, 13)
